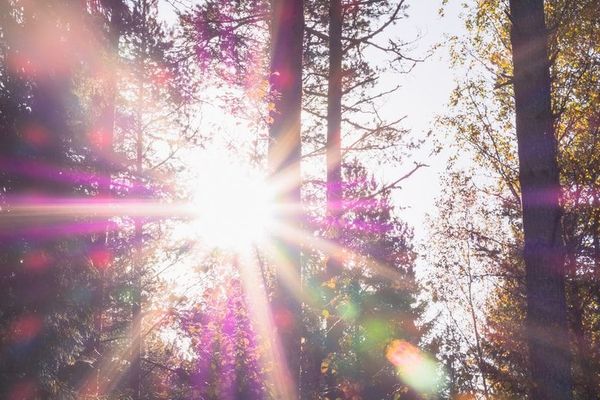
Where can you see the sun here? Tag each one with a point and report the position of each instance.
(232, 205)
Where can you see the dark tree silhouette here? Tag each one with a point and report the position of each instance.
(547, 336)
(287, 28)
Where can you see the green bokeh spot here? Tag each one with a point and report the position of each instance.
(377, 333)
(349, 311)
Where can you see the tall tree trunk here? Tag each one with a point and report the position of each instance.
(137, 337)
(287, 28)
(547, 328)
(334, 115)
(136, 306)
(104, 146)
(106, 121)
(476, 330)
(334, 182)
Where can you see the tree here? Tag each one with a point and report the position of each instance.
(373, 298)
(481, 119)
(287, 29)
(227, 350)
(111, 15)
(351, 31)
(153, 109)
(334, 176)
(547, 329)
(46, 159)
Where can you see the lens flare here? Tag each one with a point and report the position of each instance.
(37, 261)
(25, 328)
(414, 367)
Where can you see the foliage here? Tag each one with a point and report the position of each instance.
(481, 119)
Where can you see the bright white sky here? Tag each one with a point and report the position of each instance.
(424, 95)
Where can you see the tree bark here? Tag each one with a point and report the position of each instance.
(334, 113)
(547, 328)
(137, 337)
(287, 28)
(334, 182)
(104, 148)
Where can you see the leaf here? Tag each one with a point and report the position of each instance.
(324, 366)
(330, 283)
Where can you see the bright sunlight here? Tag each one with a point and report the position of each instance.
(233, 204)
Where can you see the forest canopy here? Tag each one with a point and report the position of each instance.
(299, 199)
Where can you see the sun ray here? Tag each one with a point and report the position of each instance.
(262, 318)
(332, 249)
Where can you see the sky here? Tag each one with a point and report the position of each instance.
(424, 95)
